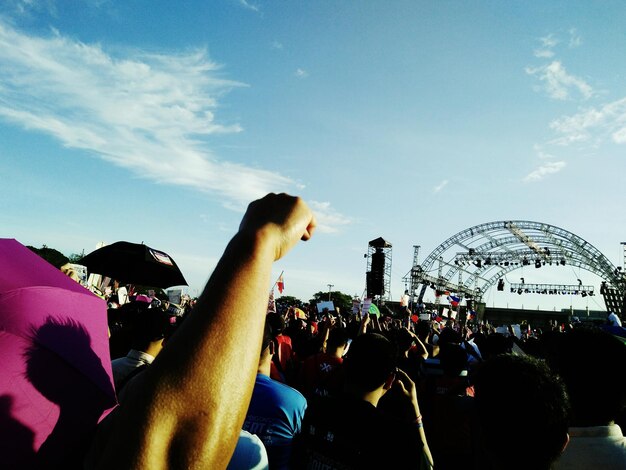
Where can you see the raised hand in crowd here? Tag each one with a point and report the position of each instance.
(187, 409)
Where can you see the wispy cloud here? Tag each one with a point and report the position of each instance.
(547, 44)
(544, 170)
(277, 45)
(549, 41)
(301, 73)
(574, 38)
(544, 53)
(148, 113)
(558, 83)
(328, 219)
(607, 122)
(249, 6)
(440, 186)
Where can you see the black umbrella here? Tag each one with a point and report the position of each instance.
(134, 263)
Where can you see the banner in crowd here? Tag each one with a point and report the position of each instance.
(328, 305)
(367, 302)
(175, 295)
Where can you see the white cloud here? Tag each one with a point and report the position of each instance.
(544, 53)
(440, 186)
(541, 153)
(600, 124)
(277, 45)
(619, 136)
(147, 113)
(544, 170)
(574, 38)
(248, 5)
(301, 73)
(558, 83)
(549, 41)
(328, 220)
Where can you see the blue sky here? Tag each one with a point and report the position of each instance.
(158, 121)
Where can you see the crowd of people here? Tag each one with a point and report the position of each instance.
(226, 384)
(362, 391)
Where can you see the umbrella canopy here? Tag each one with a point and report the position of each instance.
(55, 374)
(299, 313)
(135, 263)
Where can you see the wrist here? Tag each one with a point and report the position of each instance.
(257, 244)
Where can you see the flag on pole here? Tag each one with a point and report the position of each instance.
(280, 283)
(271, 304)
(454, 300)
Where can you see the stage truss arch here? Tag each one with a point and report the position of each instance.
(473, 260)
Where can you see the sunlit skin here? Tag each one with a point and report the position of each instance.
(187, 409)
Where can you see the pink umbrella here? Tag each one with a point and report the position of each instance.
(55, 372)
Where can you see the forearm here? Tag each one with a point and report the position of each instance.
(191, 402)
(187, 409)
(420, 424)
(212, 367)
(422, 351)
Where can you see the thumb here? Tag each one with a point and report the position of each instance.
(398, 383)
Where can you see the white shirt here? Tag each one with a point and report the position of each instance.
(123, 366)
(602, 447)
(614, 319)
(250, 453)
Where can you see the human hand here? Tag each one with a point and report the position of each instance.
(406, 387)
(280, 219)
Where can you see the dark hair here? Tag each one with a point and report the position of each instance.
(370, 360)
(404, 340)
(422, 328)
(276, 321)
(495, 344)
(507, 384)
(453, 359)
(336, 338)
(150, 324)
(449, 336)
(592, 364)
(268, 334)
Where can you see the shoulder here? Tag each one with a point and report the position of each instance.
(274, 387)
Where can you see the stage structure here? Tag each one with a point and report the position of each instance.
(475, 259)
(378, 275)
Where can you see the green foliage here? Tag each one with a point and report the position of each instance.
(286, 301)
(52, 256)
(74, 258)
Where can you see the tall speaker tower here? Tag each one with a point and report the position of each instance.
(378, 275)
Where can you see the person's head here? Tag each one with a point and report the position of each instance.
(453, 359)
(267, 343)
(370, 362)
(422, 329)
(592, 364)
(337, 340)
(276, 321)
(149, 327)
(404, 340)
(450, 336)
(496, 344)
(523, 409)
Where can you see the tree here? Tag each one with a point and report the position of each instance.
(286, 301)
(74, 258)
(339, 299)
(52, 256)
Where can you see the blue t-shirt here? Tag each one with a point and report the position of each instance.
(275, 415)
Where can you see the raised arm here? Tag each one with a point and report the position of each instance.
(187, 409)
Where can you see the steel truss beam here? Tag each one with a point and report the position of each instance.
(512, 242)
